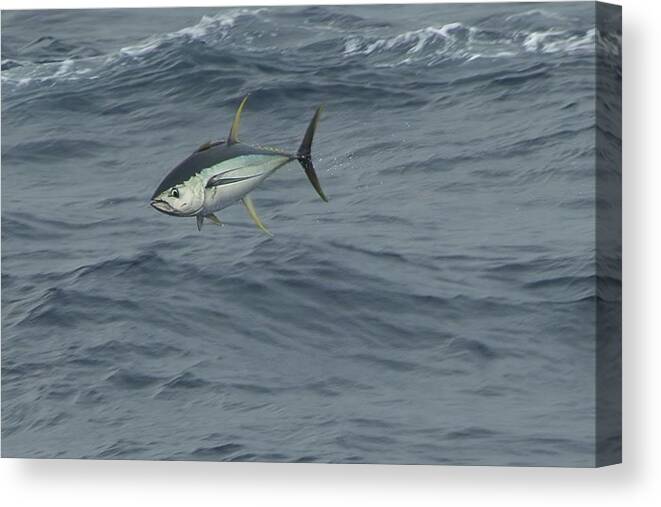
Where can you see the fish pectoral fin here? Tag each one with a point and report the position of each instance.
(221, 179)
(200, 222)
(213, 218)
(234, 130)
(247, 201)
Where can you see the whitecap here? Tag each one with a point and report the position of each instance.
(415, 40)
(351, 46)
(555, 41)
(446, 30)
(65, 68)
(211, 28)
(218, 27)
(535, 40)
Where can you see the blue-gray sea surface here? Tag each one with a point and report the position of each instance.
(439, 309)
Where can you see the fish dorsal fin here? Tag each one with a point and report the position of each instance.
(234, 131)
(247, 202)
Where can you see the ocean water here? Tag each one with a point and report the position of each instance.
(439, 309)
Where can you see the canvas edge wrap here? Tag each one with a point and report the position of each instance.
(608, 236)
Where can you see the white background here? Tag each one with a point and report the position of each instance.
(636, 482)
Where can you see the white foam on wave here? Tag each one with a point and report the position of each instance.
(499, 54)
(415, 40)
(66, 70)
(536, 40)
(352, 46)
(218, 27)
(554, 41)
(137, 50)
(457, 41)
(446, 30)
(206, 25)
(214, 28)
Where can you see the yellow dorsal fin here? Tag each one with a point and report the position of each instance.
(234, 131)
(247, 201)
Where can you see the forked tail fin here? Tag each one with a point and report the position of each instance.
(304, 153)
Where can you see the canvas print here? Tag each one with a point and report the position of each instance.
(337, 234)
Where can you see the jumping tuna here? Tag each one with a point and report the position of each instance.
(221, 173)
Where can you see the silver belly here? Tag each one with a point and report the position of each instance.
(217, 198)
(256, 167)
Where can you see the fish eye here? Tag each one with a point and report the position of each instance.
(175, 193)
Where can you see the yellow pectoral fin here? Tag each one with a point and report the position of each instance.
(213, 218)
(247, 201)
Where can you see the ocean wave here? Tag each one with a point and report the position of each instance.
(246, 31)
(209, 30)
(122, 448)
(124, 378)
(25, 72)
(46, 150)
(445, 39)
(532, 14)
(455, 41)
(220, 452)
(556, 41)
(60, 307)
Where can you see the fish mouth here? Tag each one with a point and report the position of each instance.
(166, 208)
(163, 207)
